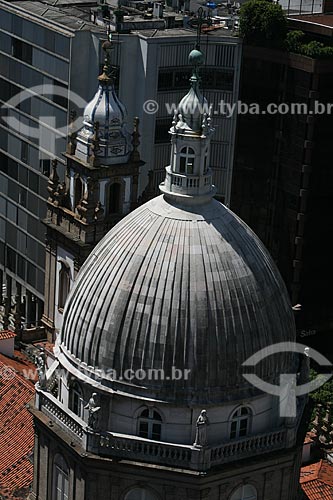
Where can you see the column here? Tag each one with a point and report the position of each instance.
(1, 287)
(28, 310)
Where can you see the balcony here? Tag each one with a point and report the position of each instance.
(121, 446)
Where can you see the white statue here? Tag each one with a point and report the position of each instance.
(201, 431)
(93, 409)
(41, 368)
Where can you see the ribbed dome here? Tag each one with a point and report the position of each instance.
(190, 287)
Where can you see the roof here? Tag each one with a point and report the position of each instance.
(20, 364)
(317, 481)
(321, 19)
(66, 16)
(7, 334)
(191, 288)
(17, 434)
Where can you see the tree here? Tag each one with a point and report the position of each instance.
(263, 23)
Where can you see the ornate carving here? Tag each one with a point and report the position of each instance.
(135, 155)
(41, 368)
(93, 160)
(71, 145)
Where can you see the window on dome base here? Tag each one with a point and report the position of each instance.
(60, 478)
(64, 285)
(140, 494)
(150, 424)
(76, 400)
(186, 161)
(245, 492)
(240, 423)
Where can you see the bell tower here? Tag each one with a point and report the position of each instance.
(100, 187)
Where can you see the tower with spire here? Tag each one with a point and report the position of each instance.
(188, 177)
(100, 187)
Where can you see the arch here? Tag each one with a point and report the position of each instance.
(64, 284)
(240, 422)
(76, 399)
(79, 189)
(60, 478)
(114, 194)
(245, 492)
(186, 160)
(140, 493)
(149, 423)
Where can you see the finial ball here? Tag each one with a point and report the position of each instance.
(107, 45)
(195, 57)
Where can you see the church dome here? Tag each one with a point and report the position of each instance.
(186, 287)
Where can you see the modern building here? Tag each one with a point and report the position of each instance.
(38, 45)
(151, 403)
(282, 184)
(60, 46)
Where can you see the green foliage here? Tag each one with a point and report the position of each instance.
(325, 393)
(263, 23)
(295, 43)
(294, 40)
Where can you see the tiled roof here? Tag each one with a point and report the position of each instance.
(16, 433)
(317, 481)
(21, 364)
(6, 334)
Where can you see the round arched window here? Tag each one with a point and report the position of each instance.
(140, 494)
(245, 492)
(186, 162)
(240, 423)
(150, 424)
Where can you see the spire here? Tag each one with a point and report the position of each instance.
(188, 177)
(113, 139)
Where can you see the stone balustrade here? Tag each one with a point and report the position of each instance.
(52, 407)
(128, 447)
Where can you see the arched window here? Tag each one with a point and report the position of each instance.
(64, 284)
(150, 424)
(186, 161)
(60, 479)
(78, 191)
(114, 198)
(140, 494)
(76, 399)
(245, 492)
(240, 423)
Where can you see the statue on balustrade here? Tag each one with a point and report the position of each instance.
(93, 410)
(201, 430)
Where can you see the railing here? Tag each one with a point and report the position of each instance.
(123, 446)
(248, 446)
(63, 417)
(136, 448)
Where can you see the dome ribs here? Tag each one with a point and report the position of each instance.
(113, 318)
(189, 288)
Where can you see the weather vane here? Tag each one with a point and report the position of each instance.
(199, 22)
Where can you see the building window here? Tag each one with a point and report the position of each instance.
(186, 161)
(240, 423)
(22, 50)
(140, 494)
(150, 424)
(76, 400)
(78, 191)
(245, 492)
(60, 478)
(64, 284)
(114, 198)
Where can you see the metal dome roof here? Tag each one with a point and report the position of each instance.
(189, 287)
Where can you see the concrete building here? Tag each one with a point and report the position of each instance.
(181, 283)
(282, 183)
(60, 46)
